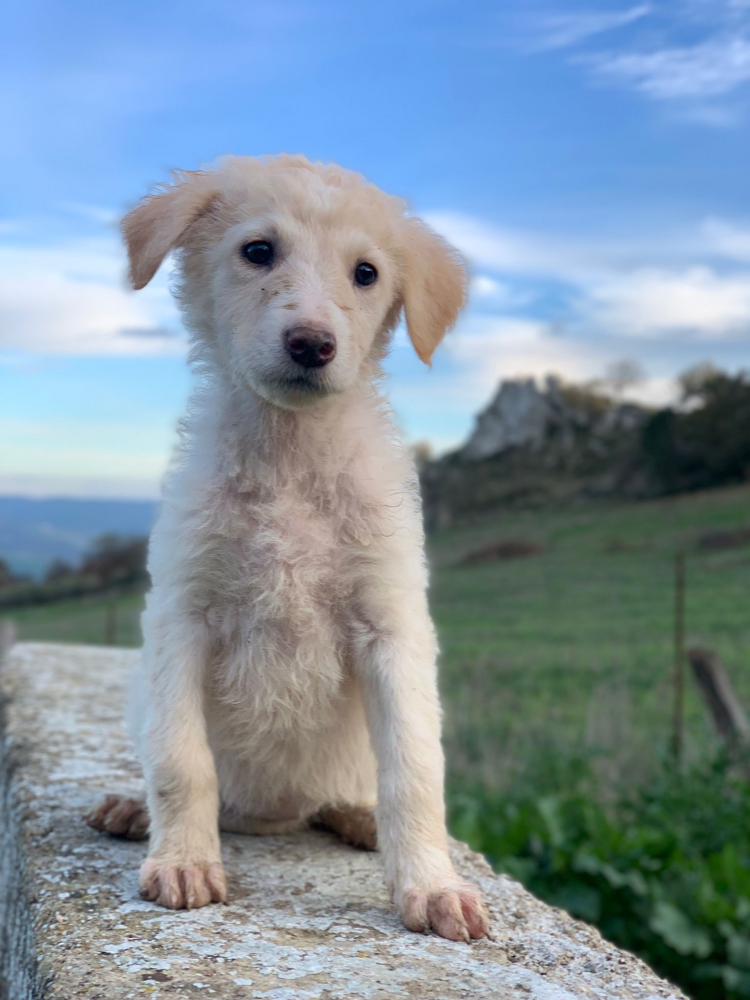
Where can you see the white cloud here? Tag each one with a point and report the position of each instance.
(709, 69)
(486, 287)
(557, 31)
(679, 290)
(654, 391)
(66, 448)
(510, 251)
(114, 488)
(72, 299)
(694, 79)
(492, 294)
(651, 303)
(727, 239)
(490, 348)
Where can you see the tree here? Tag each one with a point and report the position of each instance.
(115, 559)
(623, 374)
(421, 452)
(697, 381)
(7, 577)
(58, 569)
(707, 443)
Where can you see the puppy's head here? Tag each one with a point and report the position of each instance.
(292, 275)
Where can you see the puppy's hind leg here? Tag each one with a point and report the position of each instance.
(120, 816)
(355, 825)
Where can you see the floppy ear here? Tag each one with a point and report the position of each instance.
(434, 286)
(161, 220)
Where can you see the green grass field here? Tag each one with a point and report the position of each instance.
(570, 651)
(564, 652)
(84, 620)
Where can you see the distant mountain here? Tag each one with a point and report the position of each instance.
(34, 532)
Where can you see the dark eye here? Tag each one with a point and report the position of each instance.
(259, 253)
(365, 274)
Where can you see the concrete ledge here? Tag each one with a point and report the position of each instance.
(307, 918)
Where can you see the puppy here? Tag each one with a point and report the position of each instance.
(288, 669)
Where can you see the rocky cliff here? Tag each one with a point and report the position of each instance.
(533, 446)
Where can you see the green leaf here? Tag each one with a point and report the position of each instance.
(736, 980)
(738, 949)
(581, 900)
(674, 927)
(591, 865)
(549, 810)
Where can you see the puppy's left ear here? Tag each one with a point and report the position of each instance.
(434, 286)
(162, 220)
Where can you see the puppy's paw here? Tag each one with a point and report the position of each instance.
(456, 912)
(182, 887)
(120, 817)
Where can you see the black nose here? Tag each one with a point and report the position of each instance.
(310, 347)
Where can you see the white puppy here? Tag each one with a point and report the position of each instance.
(289, 657)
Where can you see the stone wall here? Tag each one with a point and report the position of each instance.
(308, 918)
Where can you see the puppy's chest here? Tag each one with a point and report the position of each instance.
(284, 559)
(279, 593)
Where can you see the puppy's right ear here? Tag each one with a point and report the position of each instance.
(161, 221)
(434, 286)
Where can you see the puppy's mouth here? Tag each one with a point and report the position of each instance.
(305, 382)
(295, 389)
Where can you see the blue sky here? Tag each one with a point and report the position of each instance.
(590, 160)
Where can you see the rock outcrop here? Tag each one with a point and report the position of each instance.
(535, 446)
(523, 417)
(308, 918)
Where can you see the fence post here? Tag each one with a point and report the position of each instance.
(7, 636)
(713, 682)
(110, 630)
(678, 675)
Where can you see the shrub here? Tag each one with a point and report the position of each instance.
(709, 444)
(663, 872)
(113, 561)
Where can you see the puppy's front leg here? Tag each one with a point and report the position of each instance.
(183, 868)
(396, 660)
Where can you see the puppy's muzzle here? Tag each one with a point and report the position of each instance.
(309, 346)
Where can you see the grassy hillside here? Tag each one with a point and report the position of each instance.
(571, 649)
(86, 620)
